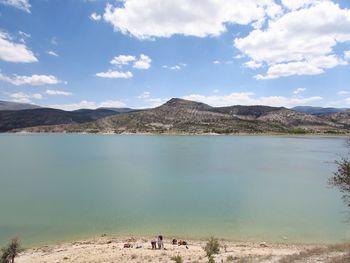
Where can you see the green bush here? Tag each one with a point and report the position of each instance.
(212, 247)
(177, 259)
(298, 131)
(11, 251)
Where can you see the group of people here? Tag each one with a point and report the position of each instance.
(160, 243)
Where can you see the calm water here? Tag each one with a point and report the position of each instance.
(61, 187)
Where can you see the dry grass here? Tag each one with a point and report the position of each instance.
(318, 251)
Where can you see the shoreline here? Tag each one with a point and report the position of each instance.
(109, 248)
(181, 134)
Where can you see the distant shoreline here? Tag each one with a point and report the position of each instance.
(110, 248)
(183, 134)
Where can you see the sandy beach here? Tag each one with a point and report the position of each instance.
(111, 249)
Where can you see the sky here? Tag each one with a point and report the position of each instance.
(72, 54)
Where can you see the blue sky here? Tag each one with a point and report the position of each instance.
(74, 54)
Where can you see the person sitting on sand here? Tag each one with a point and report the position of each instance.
(160, 242)
(174, 241)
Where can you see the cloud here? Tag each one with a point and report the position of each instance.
(297, 4)
(343, 92)
(95, 17)
(58, 92)
(298, 91)
(347, 54)
(14, 52)
(52, 53)
(314, 66)
(20, 4)
(122, 60)
(249, 98)
(34, 80)
(144, 62)
(253, 64)
(216, 62)
(299, 42)
(25, 97)
(144, 95)
(84, 104)
(24, 34)
(151, 102)
(200, 18)
(115, 74)
(175, 67)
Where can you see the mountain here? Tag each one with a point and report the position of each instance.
(340, 117)
(178, 116)
(317, 110)
(119, 110)
(18, 119)
(9, 105)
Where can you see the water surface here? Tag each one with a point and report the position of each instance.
(60, 187)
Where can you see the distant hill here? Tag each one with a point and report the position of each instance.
(317, 110)
(18, 119)
(119, 110)
(178, 116)
(8, 105)
(340, 117)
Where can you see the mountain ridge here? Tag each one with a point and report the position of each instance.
(179, 116)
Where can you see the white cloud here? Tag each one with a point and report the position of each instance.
(122, 60)
(58, 92)
(175, 67)
(52, 53)
(216, 62)
(14, 52)
(347, 54)
(151, 102)
(296, 4)
(253, 64)
(24, 34)
(34, 80)
(249, 98)
(343, 92)
(313, 66)
(300, 42)
(84, 104)
(25, 97)
(144, 95)
(144, 62)
(95, 17)
(115, 74)
(20, 4)
(298, 91)
(200, 18)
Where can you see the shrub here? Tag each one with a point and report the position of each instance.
(11, 251)
(177, 259)
(212, 247)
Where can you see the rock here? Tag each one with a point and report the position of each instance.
(263, 244)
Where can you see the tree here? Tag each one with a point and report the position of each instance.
(11, 251)
(212, 247)
(341, 179)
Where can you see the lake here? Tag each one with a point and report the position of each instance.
(56, 187)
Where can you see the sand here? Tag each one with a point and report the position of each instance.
(111, 249)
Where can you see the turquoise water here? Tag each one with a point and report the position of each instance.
(62, 187)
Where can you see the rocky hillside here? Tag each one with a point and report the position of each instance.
(340, 117)
(183, 116)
